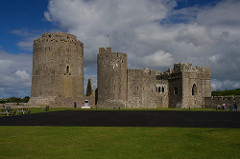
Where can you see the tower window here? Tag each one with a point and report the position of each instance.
(67, 69)
(176, 90)
(163, 89)
(194, 89)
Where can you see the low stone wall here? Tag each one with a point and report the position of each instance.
(68, 102)
(14, 105)
(213, 102)
(40, 101)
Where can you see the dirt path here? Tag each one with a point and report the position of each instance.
(127, 118)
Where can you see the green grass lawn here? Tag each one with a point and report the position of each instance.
(118, 142)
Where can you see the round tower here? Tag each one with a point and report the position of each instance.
(57, 67)
(112, 79)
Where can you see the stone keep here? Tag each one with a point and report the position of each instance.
(188, 86)
(57, 68)
(112, 79)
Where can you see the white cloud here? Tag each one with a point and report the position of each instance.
(209, 36)
(26, 45)
(226, 13)
(27, 38)
(158, 59)
(23, 75)
(15, 74)
(214, 58)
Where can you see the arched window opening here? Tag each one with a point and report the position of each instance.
(194, 89)
(67, 69)
(176, 90)
(163, 89)
(159, 89)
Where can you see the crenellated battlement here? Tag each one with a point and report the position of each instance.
(187, 67)
(107, 56)
(146, 71)
(58, 37)
(105, 50)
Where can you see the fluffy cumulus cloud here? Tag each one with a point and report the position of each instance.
(15, 74)
(154, 34)
(27, 37)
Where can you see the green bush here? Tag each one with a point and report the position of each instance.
(15, 100)
(234, 92)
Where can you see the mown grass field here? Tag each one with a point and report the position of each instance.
(118, 142)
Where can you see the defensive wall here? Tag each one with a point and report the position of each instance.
(58, 77)
(141, 88)
(214, 101)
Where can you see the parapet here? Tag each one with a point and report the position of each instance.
(107, 54)
(187, 67)
(180, 67)
(202, 69)
(135, 71)
(105, 50)
(58, 36)
(145, 71)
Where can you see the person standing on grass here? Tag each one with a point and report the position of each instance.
(231, 108)
(223, 106)
(235, 106)
(75, 105)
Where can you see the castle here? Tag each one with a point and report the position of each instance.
(58, 79)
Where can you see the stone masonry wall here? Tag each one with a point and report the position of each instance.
(145, 91)
(57, 67)
(162, 90)
(214, 101)
(188, 86)
(141, 89)
(112, 79)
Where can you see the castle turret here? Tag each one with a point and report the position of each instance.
(112, 79)
(57, 68)
(188, 86)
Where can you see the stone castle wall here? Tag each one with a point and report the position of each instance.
(58, 79)
(180, 87)
(214, 101)
(188, 86)
(112, 79)
(162, 91)
(68, 102)
(57, 68)
(140, 91)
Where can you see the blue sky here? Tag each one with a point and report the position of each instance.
(26, 15)
(154, 34)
